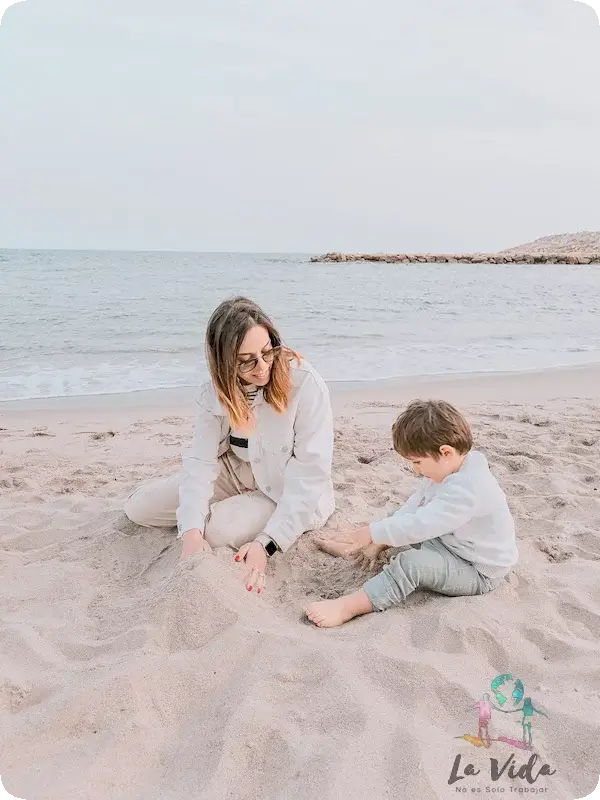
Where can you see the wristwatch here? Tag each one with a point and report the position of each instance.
(268, 543)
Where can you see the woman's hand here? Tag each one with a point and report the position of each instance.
(255, 556)
(193, 542)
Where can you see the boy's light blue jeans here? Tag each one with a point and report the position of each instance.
(428, 566)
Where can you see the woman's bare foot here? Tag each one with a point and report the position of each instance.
(193, 542)
(332, 613)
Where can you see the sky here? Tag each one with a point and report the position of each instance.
(297, 126)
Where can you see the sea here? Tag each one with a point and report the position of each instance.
(102, 322)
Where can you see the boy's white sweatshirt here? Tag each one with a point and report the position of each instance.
(468, 511)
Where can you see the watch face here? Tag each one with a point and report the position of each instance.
(271, 548)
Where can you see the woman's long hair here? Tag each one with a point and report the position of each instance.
(226, 330)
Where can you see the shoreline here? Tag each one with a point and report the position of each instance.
(581, 381)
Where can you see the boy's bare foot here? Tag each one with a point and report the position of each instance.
(332, 613)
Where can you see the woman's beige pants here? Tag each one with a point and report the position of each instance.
(238, 510)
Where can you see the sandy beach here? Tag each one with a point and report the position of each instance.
(124, 676)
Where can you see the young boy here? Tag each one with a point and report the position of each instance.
(458, 523)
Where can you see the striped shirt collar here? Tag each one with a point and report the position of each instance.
(255, 394)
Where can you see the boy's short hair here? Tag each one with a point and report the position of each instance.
(426, 425)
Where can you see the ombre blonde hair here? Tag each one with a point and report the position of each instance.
(226, 331)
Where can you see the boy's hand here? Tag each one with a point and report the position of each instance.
(367, 559)
(348, 543)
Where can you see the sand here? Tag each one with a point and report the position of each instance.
(124, 675)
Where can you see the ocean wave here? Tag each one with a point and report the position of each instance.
(32, 389)
(100, 350)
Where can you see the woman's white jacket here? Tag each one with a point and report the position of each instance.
(290, 454)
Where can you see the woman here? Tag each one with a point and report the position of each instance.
(258, 474)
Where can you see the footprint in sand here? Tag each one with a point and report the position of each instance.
(13, 697)
(366, 458)
(550, 645)
(102, 435)
(588, 546)
(580, 618)
(14, 483)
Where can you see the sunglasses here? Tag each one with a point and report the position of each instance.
(268, 357)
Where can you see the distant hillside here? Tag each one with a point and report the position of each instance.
(582, 242)
(564, 248)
